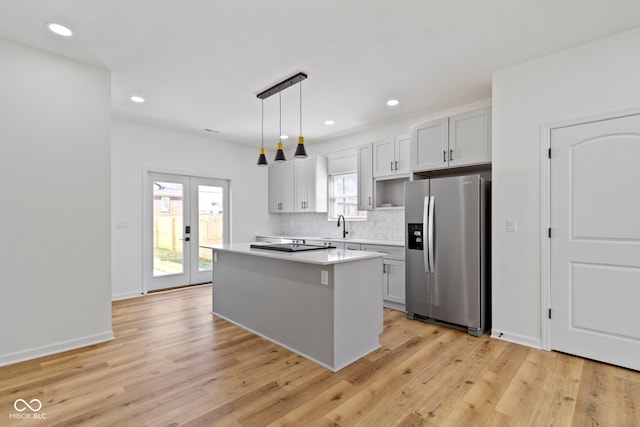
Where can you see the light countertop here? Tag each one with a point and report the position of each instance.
(319, 257)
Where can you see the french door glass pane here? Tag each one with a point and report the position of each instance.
(168, 213)
(210, 222)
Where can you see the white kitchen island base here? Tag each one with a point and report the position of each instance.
(281, 297)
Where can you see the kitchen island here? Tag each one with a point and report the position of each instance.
(325, 305)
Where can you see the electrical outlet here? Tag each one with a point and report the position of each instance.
(512, 225)
(324, 277)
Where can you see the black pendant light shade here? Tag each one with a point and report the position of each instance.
(280, 154)
(262, 159)
(300, 151)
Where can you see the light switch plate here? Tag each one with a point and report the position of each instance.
(512, 225)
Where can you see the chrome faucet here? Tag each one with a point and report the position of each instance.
(344, 226)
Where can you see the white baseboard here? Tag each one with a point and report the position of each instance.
(516, 338)
(127, 295)
(46, 350)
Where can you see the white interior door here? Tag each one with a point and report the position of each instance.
(595, 244)
(182, 213)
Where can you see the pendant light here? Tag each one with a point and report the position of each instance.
(262, 159)
(277, 88)
(280, 153)
(300, 153)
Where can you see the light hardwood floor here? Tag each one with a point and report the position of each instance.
(173, 363)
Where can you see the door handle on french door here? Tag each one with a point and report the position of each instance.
(430, 237)
(425, 221)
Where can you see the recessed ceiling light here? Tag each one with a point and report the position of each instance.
(60, 30)
(393, 102)
(137, 99)
(284, 136)
(329, 122)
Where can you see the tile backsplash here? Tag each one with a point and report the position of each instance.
(380, 225)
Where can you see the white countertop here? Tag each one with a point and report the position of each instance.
(399, 243)
(320, 257)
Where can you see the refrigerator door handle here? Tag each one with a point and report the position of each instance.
(425, 221)
(431, 251)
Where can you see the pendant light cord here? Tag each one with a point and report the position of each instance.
(262, 137)
(280, 101)
(300, 108)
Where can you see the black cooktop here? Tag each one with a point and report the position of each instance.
(290, 247)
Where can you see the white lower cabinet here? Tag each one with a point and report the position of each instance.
(393, 265)
(394, 281)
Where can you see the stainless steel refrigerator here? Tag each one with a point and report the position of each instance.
(447, 251)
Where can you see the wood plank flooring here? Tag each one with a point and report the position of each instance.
(174, 363)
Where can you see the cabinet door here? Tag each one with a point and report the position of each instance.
(275, 188)
(300, 185)
(394, 281)
(365, 177)
(319, 177)
(384, 157)
(402, 154)
(287, 186)
(430, 145)
(470, 138)
(310, 184)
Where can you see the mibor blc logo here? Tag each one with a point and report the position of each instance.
(27, 410)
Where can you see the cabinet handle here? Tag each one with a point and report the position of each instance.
(391, 164)
(444, 156)
(396, 165)
(450, 155)
(369, 200)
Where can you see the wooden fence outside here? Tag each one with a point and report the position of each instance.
(168, 232)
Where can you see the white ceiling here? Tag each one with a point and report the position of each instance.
(200, 63)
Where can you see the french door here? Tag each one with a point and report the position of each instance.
(182, 213)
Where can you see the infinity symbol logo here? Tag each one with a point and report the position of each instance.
(21, 405)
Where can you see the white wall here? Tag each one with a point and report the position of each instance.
(54, 167)
(138, 148)
(592, 80)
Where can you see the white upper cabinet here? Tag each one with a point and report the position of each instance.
(461, 140)
(430, 145)
(403, 154)
(281, 187)
(470, 138)
(310, 182)
(391, 156)
(365, 177)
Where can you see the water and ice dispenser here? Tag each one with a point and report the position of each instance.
(414, 232)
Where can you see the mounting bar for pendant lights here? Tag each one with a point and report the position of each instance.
(279, 87)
